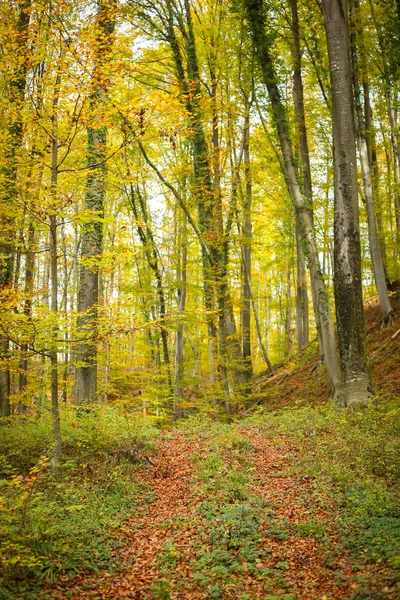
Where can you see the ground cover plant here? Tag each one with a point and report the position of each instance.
(55, 524)
(199, 299)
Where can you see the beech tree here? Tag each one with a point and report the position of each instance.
(92, 239)
(347, 265)
(257, 17)
(168, 171)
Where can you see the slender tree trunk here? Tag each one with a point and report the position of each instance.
(374, 244)
(65, 309)
(181, 273)
(257, 20)
(247, 233)
(347, 263)
(263, 347)
(374, 168)
(392, 116)
(92, 238)
(302, 322)
(288, 316)
(54, 270)
(9, 191)
(29, 285)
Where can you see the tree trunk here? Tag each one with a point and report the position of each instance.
(92, 238)
(181, 273)
(347, 255)
(257, 20)
(29, 285)
(374, 244)
(247, 232)
(374, 169)
(16, 87)
(54, 270)
(288, 315)
(302, 323)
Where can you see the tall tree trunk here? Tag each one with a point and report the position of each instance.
(54, 269)
(302, 321)
(347, 263)
(92, 238)
(257, 21)
(211, 226)
(288, 315)
(29, 285)
(66, 275)
(247, 232)
(392, 116)
(374, 244)
(181, 273)
(9, 192)
(374, 169)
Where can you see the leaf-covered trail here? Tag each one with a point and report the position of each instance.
(299, 553)
(307, 544)
(147, 531)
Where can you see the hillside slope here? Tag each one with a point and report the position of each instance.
(302, 380)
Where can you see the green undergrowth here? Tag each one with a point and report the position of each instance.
(231, 543)
(353, 455)
(58, 524)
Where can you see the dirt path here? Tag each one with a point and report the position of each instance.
(301, 545)
(147, 531)
(308, 544)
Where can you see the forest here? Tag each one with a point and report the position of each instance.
(199, 299)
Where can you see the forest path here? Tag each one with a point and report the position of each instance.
(230, 520)
(147, 531)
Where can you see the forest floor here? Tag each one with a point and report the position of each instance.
(296, 501)
(235, 517)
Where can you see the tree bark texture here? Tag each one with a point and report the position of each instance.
(92, 237)
(347, 253)
(302, 321)
(256, 14)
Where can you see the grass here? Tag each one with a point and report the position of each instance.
(54, 527)
(59, 526)
(353, 455)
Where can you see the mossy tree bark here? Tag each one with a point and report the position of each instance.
(92, 237)
(302, 320)
(347, 253)
(257, 17)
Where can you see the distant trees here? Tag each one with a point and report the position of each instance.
(168, 171)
